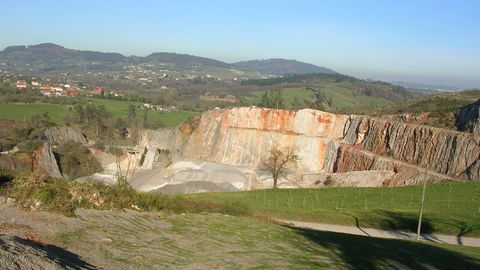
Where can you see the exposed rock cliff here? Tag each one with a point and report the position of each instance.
(441, 150)
(468, 118)
(325, 143)
(60, 135)
(243, 136)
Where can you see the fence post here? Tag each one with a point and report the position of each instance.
(421, 210)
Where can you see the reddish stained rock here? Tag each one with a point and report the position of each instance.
(329, 142)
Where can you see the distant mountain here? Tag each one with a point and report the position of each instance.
(279, 67)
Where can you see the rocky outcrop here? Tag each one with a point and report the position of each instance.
(468, 118)
(243, 136)
(351, 158)
(396, 153)
(60, 135)
(46, 160)
(443, 151)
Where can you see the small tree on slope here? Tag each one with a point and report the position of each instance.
(277, 160)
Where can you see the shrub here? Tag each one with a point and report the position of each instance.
(99, 145)
(29, 146)
(39, 191)
(235, 208)
(5, 177)
(76, 160)
(329, 181)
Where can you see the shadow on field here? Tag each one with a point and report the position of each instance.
(359, 252)
(394, 221)
(63, 257)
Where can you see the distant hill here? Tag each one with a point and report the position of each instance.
(184, 60)
(49, 52)
(279, 67)
(49, 57)
(424, 86)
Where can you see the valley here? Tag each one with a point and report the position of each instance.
(175, 161)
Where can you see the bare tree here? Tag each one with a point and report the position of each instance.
(277, 160)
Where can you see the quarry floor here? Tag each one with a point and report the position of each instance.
(150, 240)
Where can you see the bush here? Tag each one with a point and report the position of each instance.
(39, 191)
(76, 160)
(99, 145)
(329, 181)
(30, 146)
(235, 209)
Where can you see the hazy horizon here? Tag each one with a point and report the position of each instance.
(427, 42)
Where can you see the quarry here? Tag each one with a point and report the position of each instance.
(223, 150)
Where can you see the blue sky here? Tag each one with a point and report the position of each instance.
(420, 41)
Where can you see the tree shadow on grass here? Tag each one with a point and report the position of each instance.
(394, 221)
(63, 257)
(360, 252)
(404, 222)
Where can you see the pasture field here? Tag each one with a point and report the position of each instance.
(23, 112)
(450, 208)
(57, 113)
(342, 98)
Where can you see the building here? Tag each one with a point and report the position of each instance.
(57, 88)
(98, 90)
(21, 84)
(46, 92)
(71, 92)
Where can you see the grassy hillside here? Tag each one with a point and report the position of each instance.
(440, 103)
(175, 232)
(57, 113)
(451, 208)
(342, 98)
(213, 241)
(440, 107)
(346, 92)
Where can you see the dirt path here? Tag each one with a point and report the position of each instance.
(439, 238)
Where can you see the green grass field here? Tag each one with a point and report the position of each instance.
(451, 208)
(342, 97)
(119, 108)
(340, 94)
(288, 95)
(23, 112)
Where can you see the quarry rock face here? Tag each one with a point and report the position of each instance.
(468, 118)
(325, 143)
(60, 135)
(440, 150)
(244, 136)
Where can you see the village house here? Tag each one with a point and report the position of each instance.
(21, 84)
(46, 92)
(71, 92)
(98, 90)
(57, 88)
